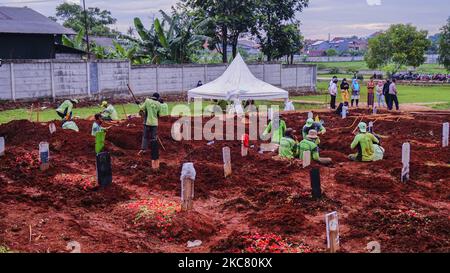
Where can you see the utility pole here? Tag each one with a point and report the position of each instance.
(86, 28)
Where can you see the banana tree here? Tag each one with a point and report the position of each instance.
(76, 42)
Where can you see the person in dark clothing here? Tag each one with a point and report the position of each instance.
(344, 92)
(199, 83)
(386, 92)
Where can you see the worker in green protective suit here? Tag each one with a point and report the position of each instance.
(109, 113)
(309, 144)
(311, 125)
(65, 109)
(364, 143)
(152, 109)
(276, 127)
(288, 145)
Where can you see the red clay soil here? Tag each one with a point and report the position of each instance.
(43, 211)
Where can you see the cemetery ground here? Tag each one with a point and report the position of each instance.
(264, 206)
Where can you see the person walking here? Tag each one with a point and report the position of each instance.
(356, 91)
(393, 95)
(371, 93)
(386, 92)
(380, 96)
(344, 92)
(332, 89)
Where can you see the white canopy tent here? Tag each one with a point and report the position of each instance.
(238, 83)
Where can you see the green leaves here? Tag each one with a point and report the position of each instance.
(444, 46)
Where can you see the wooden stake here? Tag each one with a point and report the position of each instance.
(227, 161)
(38, 111)
(187, 194)
(332, 224)
(306, 159)
(406, 154)
(31, 113)
(445, 132)
(2, 146)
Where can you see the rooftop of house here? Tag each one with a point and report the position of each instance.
(27, 21)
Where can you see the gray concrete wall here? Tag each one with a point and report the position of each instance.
(31, 79)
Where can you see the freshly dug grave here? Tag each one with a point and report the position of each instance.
(265, 206)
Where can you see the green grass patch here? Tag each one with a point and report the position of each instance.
(351, 66)
(441, 106)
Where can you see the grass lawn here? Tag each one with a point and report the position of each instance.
(85, 112)
(407, 94)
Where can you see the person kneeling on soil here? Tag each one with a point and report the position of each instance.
(65, 109)
(311, 125)
(309, 144)
(109, 113)
(288, 145)
(367, 145)
(152, 110)
(97, 125)
(276, 127)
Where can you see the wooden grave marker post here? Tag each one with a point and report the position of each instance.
(332, 224)
(316, 189)
(406, 155)
(445, 132)
(227, 161)
(306, 158)
(44, 156)
(187, 186)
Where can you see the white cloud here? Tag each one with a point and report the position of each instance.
(374, 2)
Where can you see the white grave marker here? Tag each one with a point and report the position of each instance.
(306, 158)
(406, 155)
(371, 127)
(374, 110)
(310, 115)
(227, 161)
(52, 128)
(344, 112)
(445, 129)
(187, 178)
(44, 155)
(332, 223)
(2, 146)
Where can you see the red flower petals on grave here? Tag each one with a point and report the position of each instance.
(271, 243)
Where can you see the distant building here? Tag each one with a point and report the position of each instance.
(341, 44)
(27, 34)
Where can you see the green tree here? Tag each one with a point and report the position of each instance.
(401, 45)
(227, 20)
(272, 16)
(99, 21)
(444, 45)
(331, 52)
(287, 43)
(76, 42)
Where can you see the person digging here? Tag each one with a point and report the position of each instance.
(152, 109)
(288, 145)
(109, 113)
(276, 128)
(309, 144)
(311, 125)
(367, 145)
(64, 111)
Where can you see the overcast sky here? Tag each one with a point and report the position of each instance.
(337, 17)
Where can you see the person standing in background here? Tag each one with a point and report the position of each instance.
(386, 92)
(344, 92)
(380, 96)
(332, 89)
(356, 91)
(370, 93)
(393, 95)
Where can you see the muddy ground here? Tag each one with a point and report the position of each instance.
(264, 200)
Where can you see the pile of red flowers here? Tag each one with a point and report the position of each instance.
(86, 182)
(28, 160)
(271, 243)
(159, 212)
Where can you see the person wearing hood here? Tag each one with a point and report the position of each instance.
(344, 92)
(65, 109)
(288, 145)
(364, 143)
(109, 113)
(152, 109)
(311, 125)
(356, 91)
(332, 89)
(380, 96)
(309, 143)
(276, 127)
